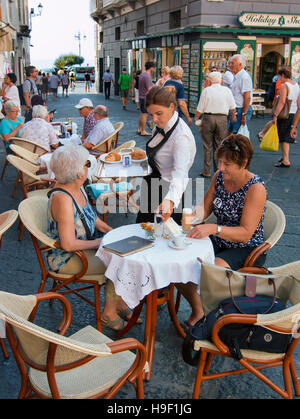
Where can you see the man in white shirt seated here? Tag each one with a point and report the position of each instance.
(39, 130)
(101, 130)
(216, 101)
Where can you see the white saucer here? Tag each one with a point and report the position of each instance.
(172, 245)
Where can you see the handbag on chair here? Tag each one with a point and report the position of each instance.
(224, 291)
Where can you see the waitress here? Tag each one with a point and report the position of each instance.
(171, 152)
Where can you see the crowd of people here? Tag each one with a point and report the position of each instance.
(236, 196)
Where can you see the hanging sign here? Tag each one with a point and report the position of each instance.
(269, 20)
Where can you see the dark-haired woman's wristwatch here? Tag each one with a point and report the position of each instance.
(218, 230)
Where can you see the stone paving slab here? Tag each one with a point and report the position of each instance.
(171, 377)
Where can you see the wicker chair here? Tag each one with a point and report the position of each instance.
(105, 146)
(25, 154)
(127, 144)
(118, 126)
(29, 145)
(33, 214)
(84, 365)
(285, 321)
(274, 226)
(7, 219)
(28, 176)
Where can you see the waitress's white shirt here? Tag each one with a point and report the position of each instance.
(175, 158)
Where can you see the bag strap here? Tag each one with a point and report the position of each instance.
(270, 281)
(8, 123)
(80, 213)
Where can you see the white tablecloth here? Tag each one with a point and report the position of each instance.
(45, 159)
(137, 275)
(117, 170)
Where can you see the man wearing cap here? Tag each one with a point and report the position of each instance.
(216, 101)
(86, 110)
(101, 130)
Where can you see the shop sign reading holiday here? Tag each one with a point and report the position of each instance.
(269, 20)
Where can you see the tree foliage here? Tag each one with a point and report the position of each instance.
(68, 60)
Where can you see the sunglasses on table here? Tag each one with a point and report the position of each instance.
(88, 164)
(231, 146)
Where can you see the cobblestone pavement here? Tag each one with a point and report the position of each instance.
(171, 377)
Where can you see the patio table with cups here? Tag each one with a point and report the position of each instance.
(138, 277)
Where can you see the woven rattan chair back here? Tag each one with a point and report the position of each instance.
(127, 144)
(23, 153)
(29, 145)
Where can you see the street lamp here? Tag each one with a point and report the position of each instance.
(78, 38)
(32, 14)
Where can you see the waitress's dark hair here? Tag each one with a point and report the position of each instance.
(163, 96)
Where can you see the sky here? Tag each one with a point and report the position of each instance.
(53, 33)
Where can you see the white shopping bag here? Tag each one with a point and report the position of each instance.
(243, 130)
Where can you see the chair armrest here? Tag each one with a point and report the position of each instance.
(67, 311)
(254, 255)
(141, 355)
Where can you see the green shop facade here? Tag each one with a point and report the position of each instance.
(267, 41)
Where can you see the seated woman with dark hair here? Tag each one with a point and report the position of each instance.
(70, 166)
(237, 198)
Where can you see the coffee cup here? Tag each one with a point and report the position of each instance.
(179, 241)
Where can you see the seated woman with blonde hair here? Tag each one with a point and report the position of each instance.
(70, 165)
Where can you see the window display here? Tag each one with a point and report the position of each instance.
(194, 78)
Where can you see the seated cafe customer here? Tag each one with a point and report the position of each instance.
(101, 130)
(70, 166)
(11, 126)
(237, 197)
(39, 129)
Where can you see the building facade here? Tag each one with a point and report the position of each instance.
(14, 38)
(198, 34)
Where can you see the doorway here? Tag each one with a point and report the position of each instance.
(101, 72)
(270, 65)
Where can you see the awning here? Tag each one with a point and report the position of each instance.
(220, 46)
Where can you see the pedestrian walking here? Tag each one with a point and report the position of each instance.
(65, 83)
(108, 80)
(45, 87)
(54, 83)
(29, 89)
(87, 79)
(242, 92)
(176, 74)
(136, 89)
(39, 82)
(216, 101)
(145, 84)
(125, 85)
(72, 78)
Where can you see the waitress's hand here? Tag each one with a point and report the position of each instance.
(166, 208)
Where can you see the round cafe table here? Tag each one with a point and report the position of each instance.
(139, 276)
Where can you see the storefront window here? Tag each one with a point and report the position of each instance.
(217, 54)
(248, 52)
(295, 63)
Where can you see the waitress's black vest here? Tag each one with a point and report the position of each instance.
(151, 153)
